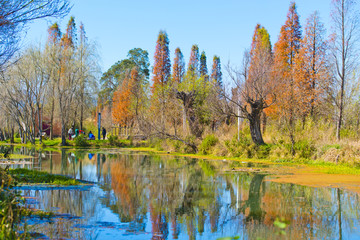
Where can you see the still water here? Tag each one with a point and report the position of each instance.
(145, 196)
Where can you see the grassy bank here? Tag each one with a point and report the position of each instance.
(341, 158)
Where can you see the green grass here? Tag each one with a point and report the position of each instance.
(27, 176)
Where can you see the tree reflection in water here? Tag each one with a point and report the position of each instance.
(159, 197)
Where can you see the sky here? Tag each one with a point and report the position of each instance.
(222, 28)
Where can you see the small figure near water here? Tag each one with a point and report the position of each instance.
(70, 132)
(91, 136)
(104, 133)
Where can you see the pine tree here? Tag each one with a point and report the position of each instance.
(203, 66)
(216, 74)
(162, 65)
(179, 66)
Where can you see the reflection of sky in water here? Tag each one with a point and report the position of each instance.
(153, 197)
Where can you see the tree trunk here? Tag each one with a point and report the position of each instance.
(339, 123)
(63, 134)
(52, 119)
(254, 121)
(12, 135)
(255, 130)
(188, 103)
(264, 122)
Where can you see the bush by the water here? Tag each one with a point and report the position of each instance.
(114, 141)
(81, 141)
(207, 144)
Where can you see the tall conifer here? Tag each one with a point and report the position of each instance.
(179, 66)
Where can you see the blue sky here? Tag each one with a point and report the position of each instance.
(222, 28)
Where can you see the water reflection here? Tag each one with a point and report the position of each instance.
(155, 197)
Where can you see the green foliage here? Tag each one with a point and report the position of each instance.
(186, 148)
(10, 210)
(156, 143)
(241, 148)
(207, 144)
(304, 149)
(263, 151)
(81, 141)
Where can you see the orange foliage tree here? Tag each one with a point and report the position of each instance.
(285, 50)
(123, 111)
(179, 66)
(311, 75)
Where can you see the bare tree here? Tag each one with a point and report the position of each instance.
(16, 14)
(253, 92)
(345, 35)
(24, 87)
(254, 88)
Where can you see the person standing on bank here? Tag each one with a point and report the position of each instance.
(104, 133)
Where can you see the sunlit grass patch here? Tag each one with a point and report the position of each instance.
(26, 176)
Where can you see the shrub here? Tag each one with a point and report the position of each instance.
(114, 141)
(81, 141)
(186, 148)
(207, 144)
(263, 151)
(304, 149)
(241, 147)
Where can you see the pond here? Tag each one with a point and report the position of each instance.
(145, 196)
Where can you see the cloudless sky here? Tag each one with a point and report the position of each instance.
(222, 28)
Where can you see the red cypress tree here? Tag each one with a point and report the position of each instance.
(203, 66)
(310, 66)
(285, 50)
(216, 74)
(162, 65)
(54, 34)
(179, 66)
(193, 66)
